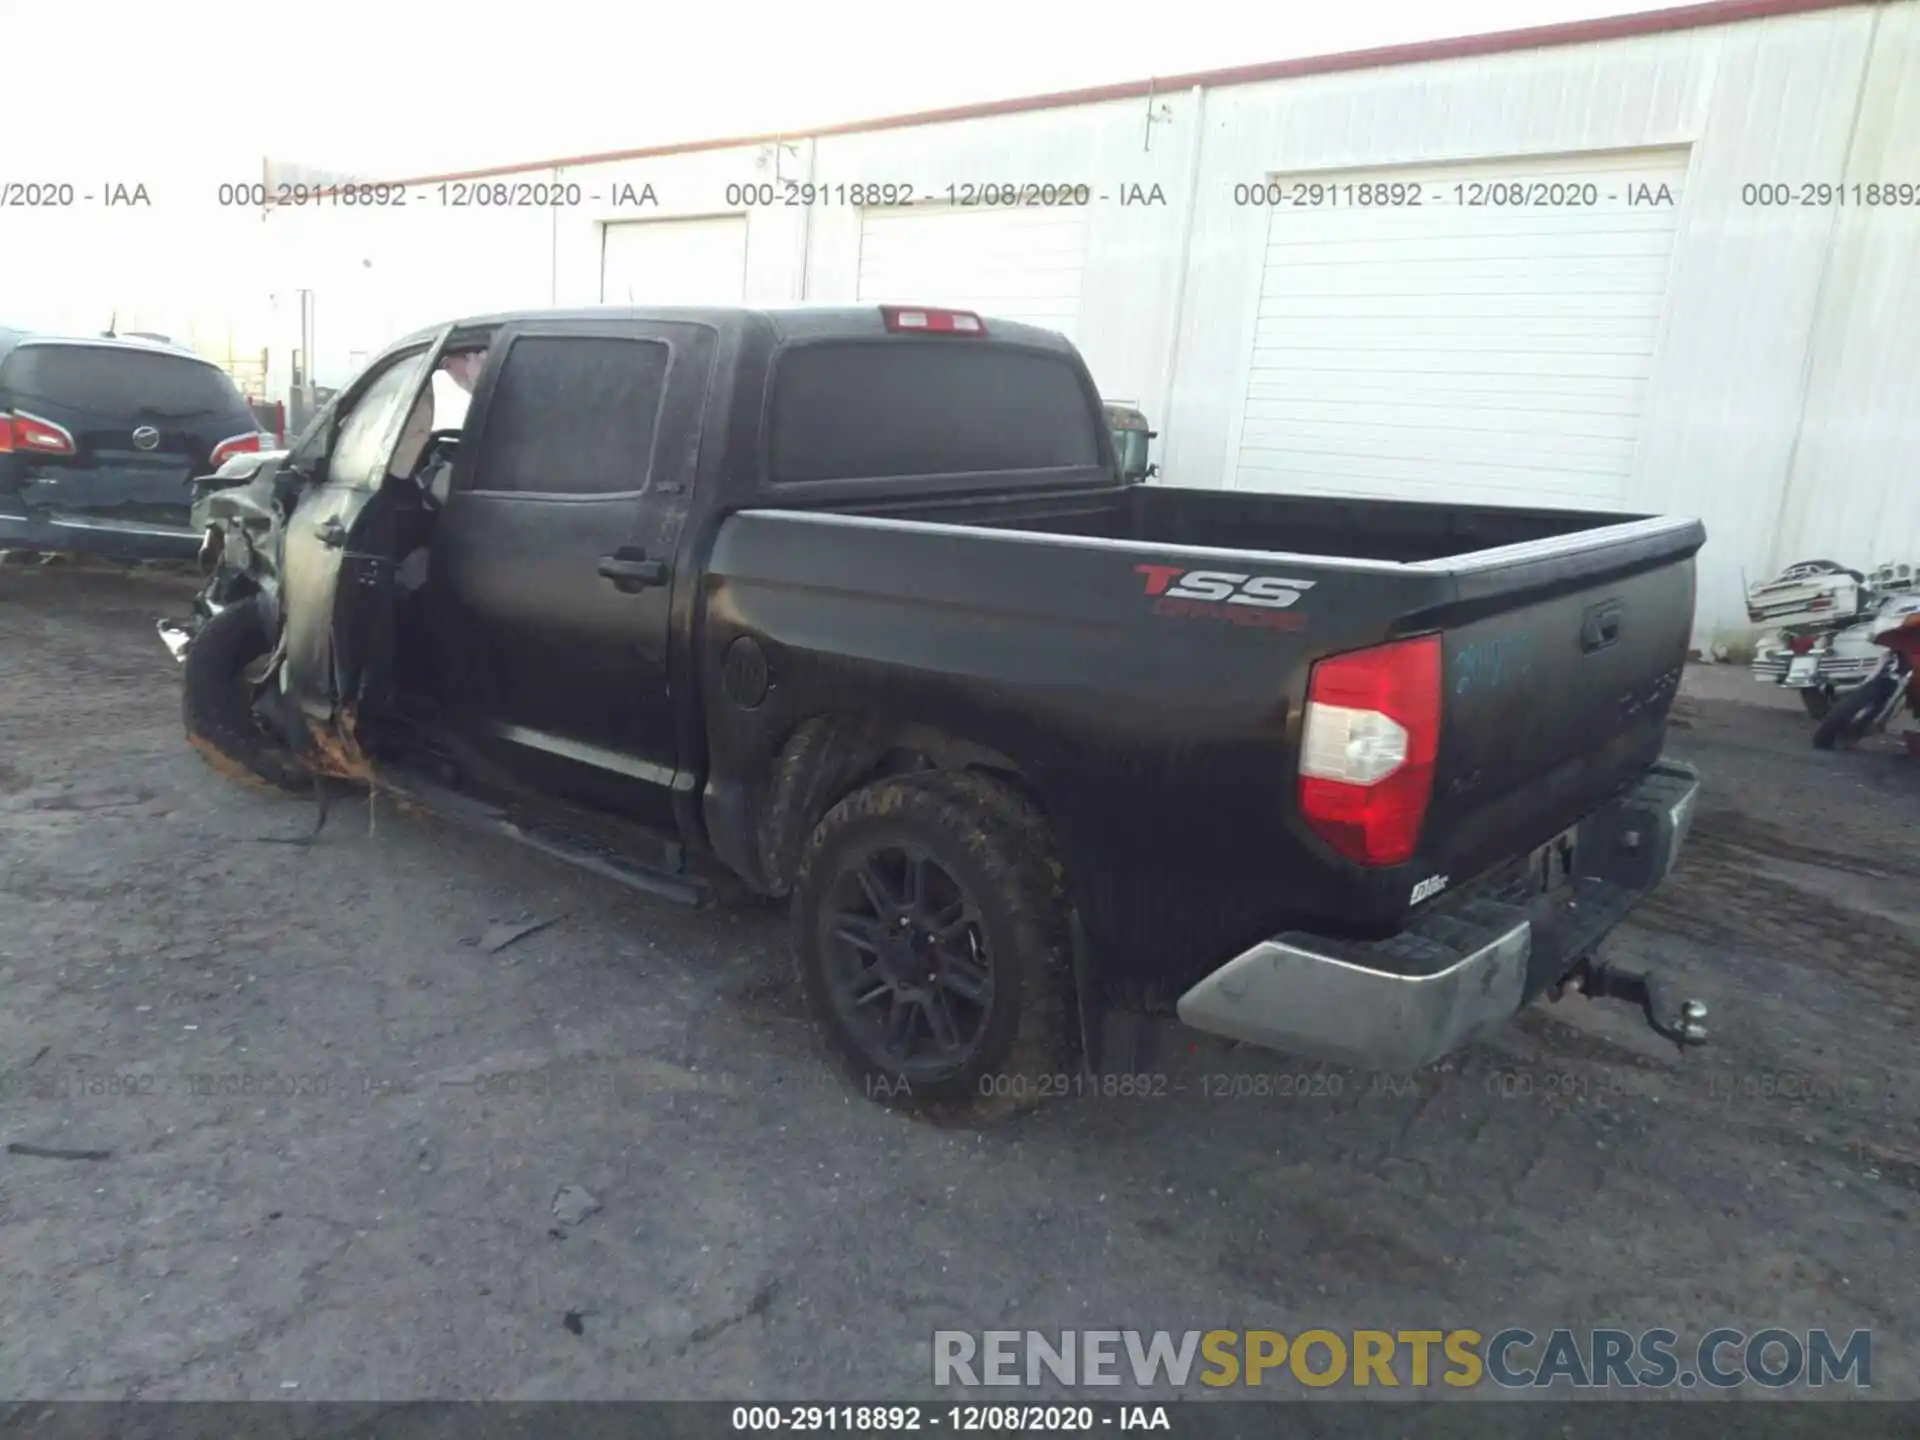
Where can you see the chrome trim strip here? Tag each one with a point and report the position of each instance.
(127, 527)
(594, 755)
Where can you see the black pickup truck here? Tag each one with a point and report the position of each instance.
(854, 606)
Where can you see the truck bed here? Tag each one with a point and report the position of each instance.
(1028, 621)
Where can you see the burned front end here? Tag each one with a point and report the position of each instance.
(240, 513)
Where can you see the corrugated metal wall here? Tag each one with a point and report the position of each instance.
(1786, 380)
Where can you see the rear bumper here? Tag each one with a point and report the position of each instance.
(114, 539)
(1464, 965)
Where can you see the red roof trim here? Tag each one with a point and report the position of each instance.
(1572, 32)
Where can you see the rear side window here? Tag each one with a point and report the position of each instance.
(116, 384)
(573, 415)
(850, 411)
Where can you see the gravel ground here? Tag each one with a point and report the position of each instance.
(335, 1128)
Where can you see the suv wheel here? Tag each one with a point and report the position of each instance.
(931, 946)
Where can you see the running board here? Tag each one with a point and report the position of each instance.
(458, 809)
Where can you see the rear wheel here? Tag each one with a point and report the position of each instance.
(1851, 717)
(216, 702)
(931, 947)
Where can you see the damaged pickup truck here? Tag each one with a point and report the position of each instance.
(855, 608)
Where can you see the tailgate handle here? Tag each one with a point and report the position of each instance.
(1601, 627)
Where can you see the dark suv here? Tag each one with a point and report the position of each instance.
(100, 440)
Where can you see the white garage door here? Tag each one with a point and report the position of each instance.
(1492, 353)
(1018, 262)
(675, 262)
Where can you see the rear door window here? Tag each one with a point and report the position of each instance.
(572, 415)
(859, 411)
(114, 384)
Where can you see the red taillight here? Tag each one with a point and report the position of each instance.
(1367, 749)
(936, 322)
(247, 444)
(34, 436)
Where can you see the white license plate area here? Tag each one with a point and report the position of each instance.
(1803, 669)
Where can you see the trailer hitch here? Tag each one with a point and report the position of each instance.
(1677, 1020)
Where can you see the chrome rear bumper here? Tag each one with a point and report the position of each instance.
(1465, 964)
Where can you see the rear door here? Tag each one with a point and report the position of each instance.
(117, 432)
(551, 581)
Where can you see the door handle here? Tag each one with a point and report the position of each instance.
(630, 570)
(332, 534)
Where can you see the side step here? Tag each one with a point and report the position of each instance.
(459, 809)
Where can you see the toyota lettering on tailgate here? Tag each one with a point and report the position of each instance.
(1262, 601)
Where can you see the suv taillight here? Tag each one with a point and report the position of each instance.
(1367, 749)
(247, 444)
(34, 436)
(938, 322)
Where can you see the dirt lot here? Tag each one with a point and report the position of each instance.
(337, 1126)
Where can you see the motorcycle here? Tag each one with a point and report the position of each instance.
(1815, 646)
(1867, 709)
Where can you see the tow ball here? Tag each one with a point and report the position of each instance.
(1677, 1020)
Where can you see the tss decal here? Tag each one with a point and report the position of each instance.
(1209, 593)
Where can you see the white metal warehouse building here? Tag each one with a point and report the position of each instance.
(1725, 322)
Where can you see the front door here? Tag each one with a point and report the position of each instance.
(552, 562)
(326, 548)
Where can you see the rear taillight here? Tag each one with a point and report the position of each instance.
(247, 444)
(936, 322)
(1367, 749)
(34, 436)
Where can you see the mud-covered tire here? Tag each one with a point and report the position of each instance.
(216, 706)
(1843, 726)
(991, 847)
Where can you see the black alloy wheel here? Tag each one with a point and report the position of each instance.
(909, 966)
(931, 941)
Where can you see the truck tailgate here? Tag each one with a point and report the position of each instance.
(1562, 660)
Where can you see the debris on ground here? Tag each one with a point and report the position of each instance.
(54, 1152)
(571, 1205)
(498, 937)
